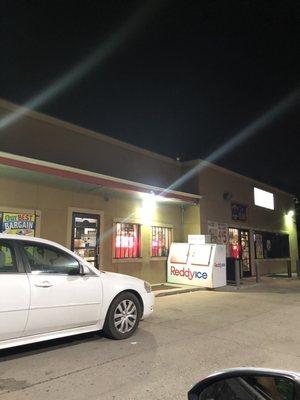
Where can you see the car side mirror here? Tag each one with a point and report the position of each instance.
(84, 270)
(248, 384)
(74, 271)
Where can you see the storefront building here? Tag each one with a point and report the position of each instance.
(118, 207)
(255, 220)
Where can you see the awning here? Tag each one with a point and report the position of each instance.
(88, 177)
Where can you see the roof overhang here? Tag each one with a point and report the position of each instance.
(88, 177)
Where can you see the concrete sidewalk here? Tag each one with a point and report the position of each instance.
(168, 289)
(266, 283)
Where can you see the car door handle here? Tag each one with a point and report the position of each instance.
(44, 284)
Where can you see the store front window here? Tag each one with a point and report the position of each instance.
(239, 247)
(271, 245)
(127, 240)
(86, 237)
(161, 241)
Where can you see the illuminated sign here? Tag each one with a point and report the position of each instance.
(263, 199)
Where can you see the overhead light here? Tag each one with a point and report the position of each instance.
(291, 213)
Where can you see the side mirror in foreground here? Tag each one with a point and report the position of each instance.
(248, 384)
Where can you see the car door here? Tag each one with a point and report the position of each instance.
(61, 298)
(14, 292)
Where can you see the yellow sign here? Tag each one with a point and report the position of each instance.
(18, 223)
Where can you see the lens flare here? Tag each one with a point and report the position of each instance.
(242, 136)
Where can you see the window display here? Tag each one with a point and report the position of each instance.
(161, 241)
(127, 240)
(271, 245)
(258, 243)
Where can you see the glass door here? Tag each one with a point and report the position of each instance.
(86, 237)
(239, 247)
(245, 252)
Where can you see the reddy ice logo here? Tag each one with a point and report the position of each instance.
(220, 264)
(187, 273)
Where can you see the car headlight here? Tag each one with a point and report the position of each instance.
(147, 287)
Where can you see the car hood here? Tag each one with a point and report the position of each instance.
(123, 279)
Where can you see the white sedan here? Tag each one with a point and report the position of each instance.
(47, 292)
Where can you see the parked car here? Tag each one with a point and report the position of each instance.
(248, 384)
(47, 292)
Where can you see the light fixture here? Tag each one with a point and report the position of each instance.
(291, 213)
(148, 208)
(227, 196)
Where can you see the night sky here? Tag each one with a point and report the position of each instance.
(182, 80)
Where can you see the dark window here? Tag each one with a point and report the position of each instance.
(8, 262)
(161, 241)
(271, 245)
(47, 259)
(127, 240)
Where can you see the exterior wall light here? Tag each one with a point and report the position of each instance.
(148, 208)
(289, 220)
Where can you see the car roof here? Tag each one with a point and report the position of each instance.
(23, 237)
(7, 236)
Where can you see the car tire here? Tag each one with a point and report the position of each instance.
(123, 316)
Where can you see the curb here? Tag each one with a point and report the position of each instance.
(179, 291)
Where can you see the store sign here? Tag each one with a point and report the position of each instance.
(18, 223)
(238, 212)
(218, 232)
(263, 199)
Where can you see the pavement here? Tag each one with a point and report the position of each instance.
(168, 289)
(189, 336)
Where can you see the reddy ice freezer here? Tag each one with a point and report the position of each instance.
(197, 264)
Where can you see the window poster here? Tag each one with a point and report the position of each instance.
(222, 234)
(259, 252)
(18, 223)
(212, 230)
(238, 212)
(218, 232)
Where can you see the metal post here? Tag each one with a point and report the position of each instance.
(298, 269)
(237, 273)
(289, 268)
(257, 272)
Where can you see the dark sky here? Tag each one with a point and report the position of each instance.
(188, 77)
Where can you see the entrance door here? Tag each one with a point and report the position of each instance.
(245, 252)
(86, 237)
(240, 249)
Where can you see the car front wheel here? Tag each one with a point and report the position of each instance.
(123, 316)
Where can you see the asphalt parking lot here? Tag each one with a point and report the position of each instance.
(188, 336)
